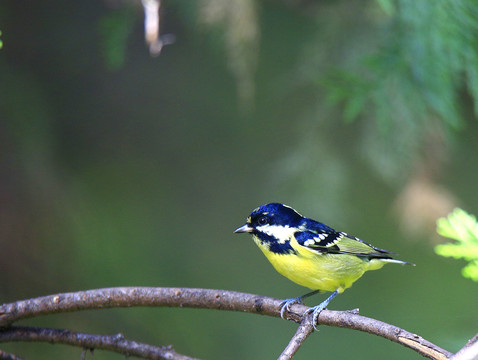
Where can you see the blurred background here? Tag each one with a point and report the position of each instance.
(119, 167)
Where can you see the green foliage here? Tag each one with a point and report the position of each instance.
(1, 42)
(115, 29)
(409, 77)
(428, 53)
(462, 227)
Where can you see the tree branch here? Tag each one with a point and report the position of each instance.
(138, 296)
(116, 343)
(209, 299)
(357, 322)
(469, 351)
(7, 356)
(473, 340)
(303, 331)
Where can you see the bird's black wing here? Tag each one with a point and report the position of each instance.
(332, 242)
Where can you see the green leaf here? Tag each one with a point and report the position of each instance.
(463, 228)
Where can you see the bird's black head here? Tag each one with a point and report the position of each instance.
(271, 215)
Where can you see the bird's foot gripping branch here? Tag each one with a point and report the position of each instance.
(182, 297)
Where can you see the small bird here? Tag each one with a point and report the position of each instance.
(310, 253)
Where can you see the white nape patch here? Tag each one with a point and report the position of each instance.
(281, 233)
(287, 206)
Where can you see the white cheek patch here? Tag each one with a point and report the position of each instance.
(281, 233)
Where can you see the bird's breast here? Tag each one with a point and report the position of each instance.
(327, 272)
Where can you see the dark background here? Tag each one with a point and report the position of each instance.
(122, 169)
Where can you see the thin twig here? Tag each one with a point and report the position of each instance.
(116, 343)
(152, 27)
(469, 351)
(473, 340)
(303, 331)
(209, 299)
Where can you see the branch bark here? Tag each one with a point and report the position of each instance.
(7, 356)
(357, 322)
(305, 328)
(209, 299)
(115, 343)
(469, 351)
(137, 296)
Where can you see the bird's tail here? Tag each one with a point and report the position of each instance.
(390, 260)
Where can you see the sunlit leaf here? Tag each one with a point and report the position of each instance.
(463, 228)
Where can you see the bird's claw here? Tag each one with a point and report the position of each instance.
(316, 310)
(287, 303)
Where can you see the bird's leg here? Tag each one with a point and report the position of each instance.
(317, 309)
(298, 300)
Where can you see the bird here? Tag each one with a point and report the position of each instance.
(311, 253)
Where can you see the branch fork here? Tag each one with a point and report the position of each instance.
(185, 297)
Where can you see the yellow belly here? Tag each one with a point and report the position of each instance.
(326, 272)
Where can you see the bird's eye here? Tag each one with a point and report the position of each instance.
(262, 220)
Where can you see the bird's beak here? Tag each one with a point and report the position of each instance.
(244, 229)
